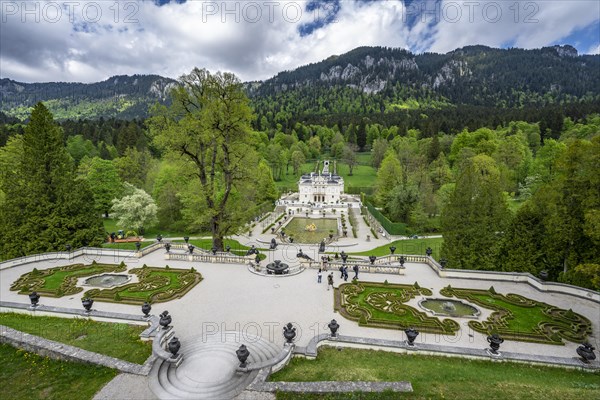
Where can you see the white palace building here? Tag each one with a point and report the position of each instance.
(321, 187)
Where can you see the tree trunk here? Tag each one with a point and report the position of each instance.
(216, 233)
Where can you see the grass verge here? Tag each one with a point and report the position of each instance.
(115, 340)
(438, 377)
(29, 376)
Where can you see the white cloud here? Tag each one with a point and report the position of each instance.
(172, 39)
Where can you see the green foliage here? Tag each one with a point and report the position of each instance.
(45, 207)
(393, 228)
(475, 213)
(214, 135)
(136, 210)
(104, 182)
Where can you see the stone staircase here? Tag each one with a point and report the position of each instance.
(209, 369)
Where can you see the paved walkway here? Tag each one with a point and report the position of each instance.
(230, 298)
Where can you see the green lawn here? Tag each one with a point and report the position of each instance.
(296, 228)
(116, 340)
(411, 246)
(28, 376)
(438, 377)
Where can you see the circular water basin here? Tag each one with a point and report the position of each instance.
(450, 308)
(107, 280)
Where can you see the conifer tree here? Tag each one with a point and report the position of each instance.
(45, 207)
(475, 216)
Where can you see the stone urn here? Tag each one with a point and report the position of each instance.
(174, 346)
(191, 248)
(543, 275)
(159, 238)
(186, 239)
(333, 327)
(291, 239)
(289, 333)
(344, 256)
(402, 260)
(214, 250)
(443, 262)
(138, 245)
(34, 298)
(87, 304)
(228, 248)
(168, 247)
(411, 335)
(495, 341)
(586, 352)
(392, 250)
(242, 354)
(372, 259)
(429, 251)
(273, 230)
(165, 320)
(68, 247)
(146, 308)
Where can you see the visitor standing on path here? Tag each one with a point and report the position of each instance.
(346, 273)
(330, 280)
(319, 275)
(355, 269)
(341, 272)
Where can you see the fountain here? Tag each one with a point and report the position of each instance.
(277, 268)
(452, 308)
(107, 280)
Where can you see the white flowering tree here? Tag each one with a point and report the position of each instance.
(136, 210)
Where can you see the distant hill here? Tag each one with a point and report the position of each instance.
(124, 97)
(364, 81)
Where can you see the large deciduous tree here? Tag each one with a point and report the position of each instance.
(45, 207)
(475, 216)
(104, 182)
(208, 123)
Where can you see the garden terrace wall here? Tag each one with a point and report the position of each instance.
(512, 277)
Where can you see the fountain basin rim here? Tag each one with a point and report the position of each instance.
(439, 314)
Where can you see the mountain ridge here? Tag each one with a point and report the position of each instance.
(364, 80)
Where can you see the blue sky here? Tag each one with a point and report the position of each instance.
(92, 40)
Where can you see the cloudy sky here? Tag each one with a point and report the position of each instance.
(89, 41)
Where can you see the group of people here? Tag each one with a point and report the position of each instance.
(343, 272)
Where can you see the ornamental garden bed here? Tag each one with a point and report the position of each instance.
(61, 281)
(518, 318)
(155, 285)
(382, 305)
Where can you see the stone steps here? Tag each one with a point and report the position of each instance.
(208, 370)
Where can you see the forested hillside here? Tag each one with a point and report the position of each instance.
(382, 84)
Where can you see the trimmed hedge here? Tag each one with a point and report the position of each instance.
(393, 228)
(46, 283)
(381, 305)
(156, 285)
(513, 315)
